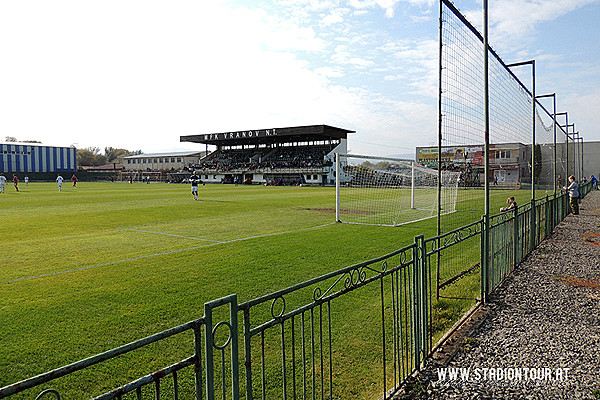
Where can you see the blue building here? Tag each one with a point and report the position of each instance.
(29, 157)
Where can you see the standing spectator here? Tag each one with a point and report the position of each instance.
(16, 182)
(573, 194)
(74, 180)
(2, 183)
(60, 180)
(594, 181)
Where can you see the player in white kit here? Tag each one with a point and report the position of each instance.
(2, 183)
(60, 180)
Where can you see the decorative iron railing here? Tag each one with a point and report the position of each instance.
(300, 342)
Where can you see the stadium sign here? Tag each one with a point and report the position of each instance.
(239, 135)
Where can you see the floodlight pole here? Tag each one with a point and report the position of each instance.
(553, 95)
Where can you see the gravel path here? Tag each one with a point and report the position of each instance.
(545, 317)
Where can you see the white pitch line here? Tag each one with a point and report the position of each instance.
(168, 234)
(157, 254)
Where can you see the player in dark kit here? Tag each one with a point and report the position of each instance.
(194, 180)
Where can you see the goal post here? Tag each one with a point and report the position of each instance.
(389, 191)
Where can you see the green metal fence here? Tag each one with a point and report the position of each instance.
(303, 342)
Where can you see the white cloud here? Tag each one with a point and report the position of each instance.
(389, 6)
(334, 17)
(418, 61)
(128, 74)
(511, 22)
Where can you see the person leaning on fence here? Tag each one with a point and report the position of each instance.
(594, 181)
(573, 189)
(512, 204)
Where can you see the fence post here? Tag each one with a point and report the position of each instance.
(420, 319)
(211, 346)
(548, 217)
(198, 364)
(485, 251)
(517, 257)
(532, 229)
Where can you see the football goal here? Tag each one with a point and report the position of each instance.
(390, 191)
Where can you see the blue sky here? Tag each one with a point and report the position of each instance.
(138, 74)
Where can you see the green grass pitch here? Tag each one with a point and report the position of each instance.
(94, 267)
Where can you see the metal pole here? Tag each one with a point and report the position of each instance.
(577, 159)
(554, 129)
(533, 218)
(486, 107)
(439, 163)
(532, 62)
(567, 150)
(337, 187)
(533, 130)
(412, 186)
(582, 147)
(440, 138)
(566, 145)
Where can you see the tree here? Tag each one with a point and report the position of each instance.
(114, 155)
(90, 156)
(85, 157)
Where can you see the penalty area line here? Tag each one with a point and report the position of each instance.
(164, 253)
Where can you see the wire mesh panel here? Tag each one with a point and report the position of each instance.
(513, 160)
(546, 159)
(522, 147)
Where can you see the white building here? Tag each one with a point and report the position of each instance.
(173, 161)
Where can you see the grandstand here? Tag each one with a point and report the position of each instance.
(277, 156)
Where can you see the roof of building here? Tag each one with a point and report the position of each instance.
(33, 144)
(171, 154)
(271, 135)
(105, 167)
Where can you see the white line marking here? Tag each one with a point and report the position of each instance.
(168, 234)
(158, 254)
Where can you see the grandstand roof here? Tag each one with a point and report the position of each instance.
(271, 135)
(171, 154)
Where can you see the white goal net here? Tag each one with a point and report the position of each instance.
(390, 191)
